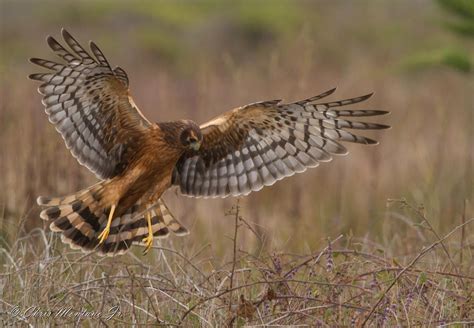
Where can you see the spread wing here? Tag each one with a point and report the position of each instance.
(256, 145)
(89, 104)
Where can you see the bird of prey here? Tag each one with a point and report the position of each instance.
(90, 105)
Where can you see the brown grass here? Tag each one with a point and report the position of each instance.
(346, 281)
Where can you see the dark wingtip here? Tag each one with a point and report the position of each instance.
(371, 142)
(51, 41)
(385, 127)
(329, 92)
(66, 35)
(35, 76)
(367, 96)
(95, 48)
(32, 61)
(36, 61)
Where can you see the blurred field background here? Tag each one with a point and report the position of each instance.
(197, 59)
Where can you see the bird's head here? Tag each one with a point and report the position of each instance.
(191, 136)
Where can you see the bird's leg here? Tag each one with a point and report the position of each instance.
(105, 233)
(149, 239)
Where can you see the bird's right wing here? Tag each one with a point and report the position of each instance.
(90, 106)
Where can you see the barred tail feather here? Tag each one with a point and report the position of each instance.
(82, 217)
(132, 227)
(170, 221)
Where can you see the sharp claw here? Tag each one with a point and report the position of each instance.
(148, 243)
(148, 240)
(103, 235)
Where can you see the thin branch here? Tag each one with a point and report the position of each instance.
(234, 254)
(419, 256)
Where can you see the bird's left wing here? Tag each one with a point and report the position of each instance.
(256, 145)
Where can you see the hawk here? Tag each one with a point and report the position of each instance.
(240, 151)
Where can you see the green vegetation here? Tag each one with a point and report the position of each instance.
(461, 23)
(450, 57)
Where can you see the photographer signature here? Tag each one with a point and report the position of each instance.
(62, 312)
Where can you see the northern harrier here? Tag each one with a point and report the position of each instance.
(238, 152)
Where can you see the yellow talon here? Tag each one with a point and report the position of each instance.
(105, 233)
(149, 239)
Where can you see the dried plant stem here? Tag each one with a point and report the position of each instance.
(234, 254)
(315, 257)
(423, 216)
(463, 233)
(419, 256)
(273, 288)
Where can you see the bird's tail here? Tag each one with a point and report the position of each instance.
(81, 218)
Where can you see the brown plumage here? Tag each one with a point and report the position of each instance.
(240, 151)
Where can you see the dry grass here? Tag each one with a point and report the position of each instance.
(346, 281)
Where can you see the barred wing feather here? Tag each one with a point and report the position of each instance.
(256, 145)
(89, 104)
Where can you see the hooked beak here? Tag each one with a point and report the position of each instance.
(195, 145)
